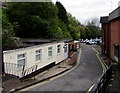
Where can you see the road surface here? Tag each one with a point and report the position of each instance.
(79, 79)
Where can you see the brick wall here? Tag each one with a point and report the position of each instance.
(105, 39)
(72, 56)
(114, 35)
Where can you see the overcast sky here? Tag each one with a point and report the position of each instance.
(84, 10)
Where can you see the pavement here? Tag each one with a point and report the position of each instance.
(114, 83)
(12, 84)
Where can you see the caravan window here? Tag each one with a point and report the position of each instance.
(58, 49)
(38, 55)
(49, 51)
(21, 58)
(65, 48)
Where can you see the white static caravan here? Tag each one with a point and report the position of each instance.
(34, 57)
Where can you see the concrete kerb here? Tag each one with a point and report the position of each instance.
(18, 89)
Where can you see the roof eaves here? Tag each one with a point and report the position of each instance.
(114, 14)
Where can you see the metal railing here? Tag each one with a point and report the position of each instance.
(101, 85)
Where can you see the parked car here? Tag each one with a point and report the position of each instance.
(87, 41)
(94, 42)
(82, 41)
(91, 42)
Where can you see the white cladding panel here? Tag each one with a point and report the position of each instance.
(11, 56)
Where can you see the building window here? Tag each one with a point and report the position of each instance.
(38, 55)
(58, 49)
(116, 53)
(65, 48)
(49, 51)
(21, 58)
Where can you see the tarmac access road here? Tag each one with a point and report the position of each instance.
(80, 79)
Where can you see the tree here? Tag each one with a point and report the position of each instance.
(62, 13)
(64, 29)
(92, 29)
(82, 32)
(93, 26)
(74, 27)
(95, 21)
(42, 20)
(8, 39)
(33, 19)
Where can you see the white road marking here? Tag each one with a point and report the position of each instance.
(90, 88)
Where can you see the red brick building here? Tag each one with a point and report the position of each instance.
(105, 35)
(111, 35)
(114, 21)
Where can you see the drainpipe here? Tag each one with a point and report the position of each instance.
(3, 71)
(1, 61)
(119, 56)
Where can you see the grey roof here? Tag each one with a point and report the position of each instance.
(42, 41)
(115, 14)
(36, 40)
(67, 40)
(104, 19)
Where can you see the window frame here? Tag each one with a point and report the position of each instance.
(50, 51)
(116, 53)
(65, 48)
(23, 58)
(40, 55)
(59, 49)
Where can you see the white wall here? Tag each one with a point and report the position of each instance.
(11, 55)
